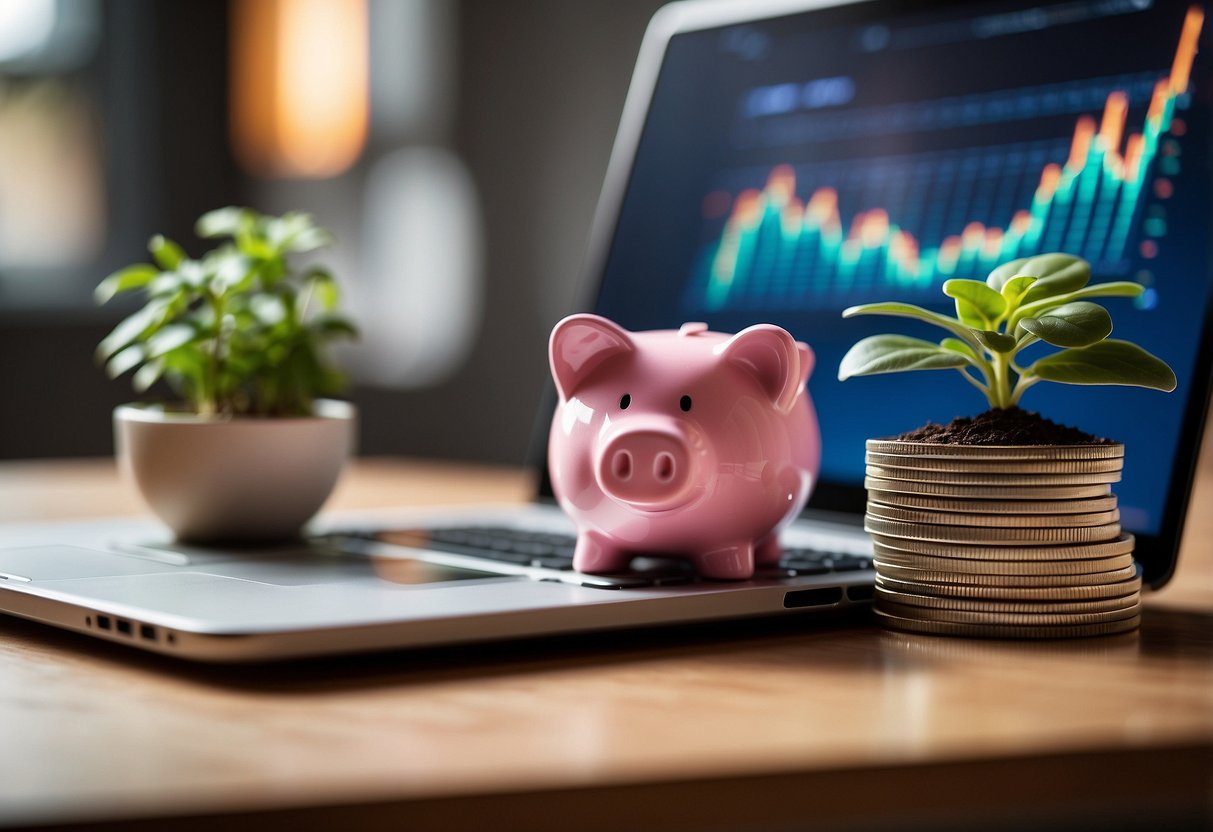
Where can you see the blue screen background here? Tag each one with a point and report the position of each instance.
(938, 118)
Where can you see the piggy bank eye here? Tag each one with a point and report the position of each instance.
(625, 401)
(685, 404)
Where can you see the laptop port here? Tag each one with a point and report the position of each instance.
(812, 597)
(861, 592)
(124, 627)
(147, 632)
(105, 622)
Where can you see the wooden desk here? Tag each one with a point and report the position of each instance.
(762, 725)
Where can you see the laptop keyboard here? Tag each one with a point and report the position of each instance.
(550, 551)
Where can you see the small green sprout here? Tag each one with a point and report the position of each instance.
(239, 331)
(1032, 299)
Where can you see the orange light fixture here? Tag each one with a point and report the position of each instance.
(299, 86)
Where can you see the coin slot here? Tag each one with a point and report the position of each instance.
(812, 597)
(861, 593)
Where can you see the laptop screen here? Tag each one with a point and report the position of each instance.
(793, 166)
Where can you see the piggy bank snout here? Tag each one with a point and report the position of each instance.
(649, 466)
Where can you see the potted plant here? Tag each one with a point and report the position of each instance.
(253, 449)
(1004, 524)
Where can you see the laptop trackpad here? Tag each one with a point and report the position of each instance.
(54, 563)
(228, 604)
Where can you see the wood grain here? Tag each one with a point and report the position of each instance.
(692, 728)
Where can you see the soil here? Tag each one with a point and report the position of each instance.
(1003, 427)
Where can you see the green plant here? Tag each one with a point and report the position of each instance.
(240, 330)
(1022, 302)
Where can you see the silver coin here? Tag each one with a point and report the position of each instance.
(988, 492)
(995, 536)
(914, 599)
(1010, 593)
(962, 478)
(949, 628)
(935, 576)
(1034, 619)
(996, 466)
(970, 566)
(952, 504)
(949, 518)
(1122, 545)
(901, 447)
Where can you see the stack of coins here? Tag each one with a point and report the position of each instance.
(1000, 541)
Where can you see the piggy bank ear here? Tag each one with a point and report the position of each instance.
(580, 343)
(807, 361)
(776, 361)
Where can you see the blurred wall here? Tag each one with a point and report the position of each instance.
(538, 86)
(164, 119)
(539, 91)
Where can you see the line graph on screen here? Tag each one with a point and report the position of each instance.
(929, 217)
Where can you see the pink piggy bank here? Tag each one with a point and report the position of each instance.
(690, 444)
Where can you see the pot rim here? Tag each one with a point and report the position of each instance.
(323, 410)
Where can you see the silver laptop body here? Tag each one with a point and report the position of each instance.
(417, 579)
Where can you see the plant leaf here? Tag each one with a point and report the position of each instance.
(1014, 288)
(957, 345)
(224, 222)
(256, 248)
(296, 232)
(1056, 274)
(324, 286)
(165, 252)
(166, 283)
(267, 309)
(970, 315)
(124, 280)
(907, 310)
(147, 375)
(193, 274)
(184, 368)
(1113, 289)
(334, 325)
(223, 330)
(1107, 362)
(169, 339)
(130, 328)
(995, 341)
(1077, 324)
(233, 271)
(309, 239)
(1001, 274)
(124, 360)
(895, 354)
(989, 303)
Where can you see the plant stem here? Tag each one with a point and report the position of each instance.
(300, 314)
(1000, 385)
(1025, 381)
(209, 405)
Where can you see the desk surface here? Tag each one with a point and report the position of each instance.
(763, 724)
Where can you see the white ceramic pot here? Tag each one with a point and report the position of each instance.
(234, 478)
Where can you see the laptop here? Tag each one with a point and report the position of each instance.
(880, 119)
